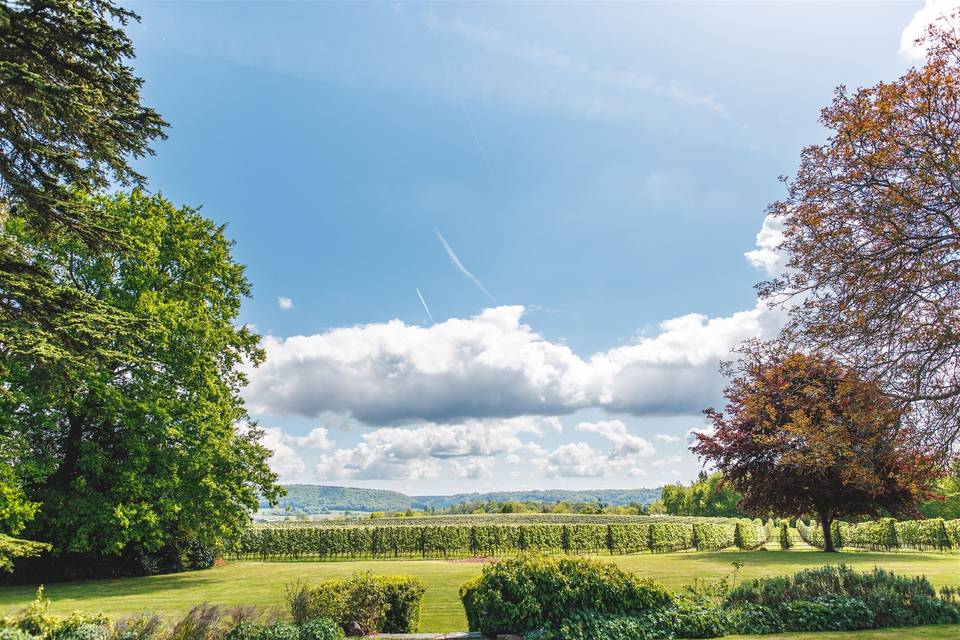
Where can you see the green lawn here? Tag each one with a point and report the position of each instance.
(263, 584)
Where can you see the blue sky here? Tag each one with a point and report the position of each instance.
(599, 169)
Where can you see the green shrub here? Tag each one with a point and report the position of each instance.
(694, 620)
(755, 619)
(15, 633)
(828, 613)
(404, 597)
(923, 534)
(589, 625)
(379, 604)
(279, 631)
(531, 592)
(321, 629)
(244, 630)
(83, 631)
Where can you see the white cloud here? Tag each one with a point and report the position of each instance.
(767, 256)
(473, 469)
(316, 439)
(666, 437)
(931, 11)
(575, 460)
(636, 472)
(285, 303)
(414, 453)
(625, 443)
(284, 460)
(494, 365)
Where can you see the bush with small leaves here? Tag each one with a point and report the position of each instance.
(321, 629)
(531, 592)
(828, 613)
(755, 619)
(279, 630)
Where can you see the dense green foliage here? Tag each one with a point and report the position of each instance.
(442, 537)
(379, 604)
(13, 548)
(891, 600)
(530, 592)
(888, 534)
(138, 464)
(70, 119)
(203, 622)
(708, 496)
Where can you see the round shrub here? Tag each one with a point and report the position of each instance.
(321, 629)
(531, 592)
(828, 613)
(755, 619)
(85, 631)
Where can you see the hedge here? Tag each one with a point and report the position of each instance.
(441, 541)
(923, 534)
(748, 535)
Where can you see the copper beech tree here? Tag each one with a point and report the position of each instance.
(872, 238)
(804, 434)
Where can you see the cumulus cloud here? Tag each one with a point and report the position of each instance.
(414, 453)
(473, 469)
(285, 303)
(316, 439)
(494, 365)
(625, 444)
(575, 460)
(931, 11)
(284, 459)
(767, 255)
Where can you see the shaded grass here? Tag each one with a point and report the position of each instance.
(264, 584)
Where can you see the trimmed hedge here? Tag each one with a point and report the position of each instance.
(923, 534)
(709, 537)
(748, 535)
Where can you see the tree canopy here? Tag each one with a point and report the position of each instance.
(708, 496)
(871, 233)
(805, 434)
(127, 456)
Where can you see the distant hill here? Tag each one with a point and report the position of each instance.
(312, 499)
(608, 496)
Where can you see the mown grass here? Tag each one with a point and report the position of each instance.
(264, 584)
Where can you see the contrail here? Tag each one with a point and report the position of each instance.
(459, 265)
(425, 307)
(476, 139)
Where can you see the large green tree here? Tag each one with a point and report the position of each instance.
(708, 496)
(133, 458)
(70, 120)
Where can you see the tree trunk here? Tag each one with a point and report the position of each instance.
(825, 522)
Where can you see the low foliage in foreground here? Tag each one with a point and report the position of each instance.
(203, 622)
(581, 599)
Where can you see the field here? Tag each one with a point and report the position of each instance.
(264, 584)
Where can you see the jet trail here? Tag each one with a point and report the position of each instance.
(425, 307)
(476, 138)
(459, 265)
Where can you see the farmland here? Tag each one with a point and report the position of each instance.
(263, 584)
